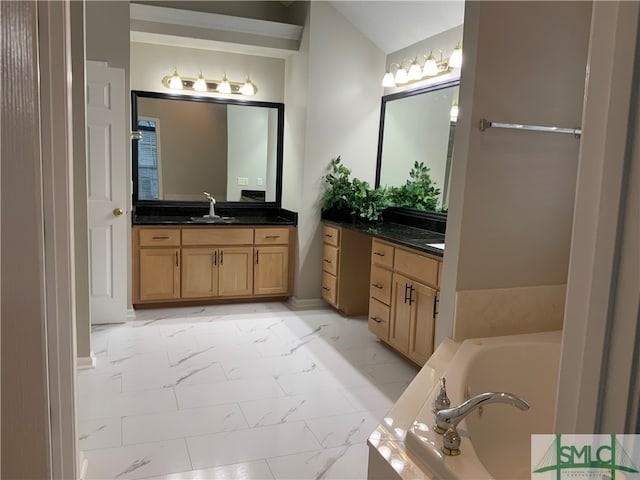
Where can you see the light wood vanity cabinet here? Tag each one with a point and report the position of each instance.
(271, 274)
(159, 273)
(403, 298)
(345, 269)
(211, 263)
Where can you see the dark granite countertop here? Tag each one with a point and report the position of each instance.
(194, 214)
(222, 220)
(413, 237)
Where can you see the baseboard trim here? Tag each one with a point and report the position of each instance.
(306, 303)
(86, 363)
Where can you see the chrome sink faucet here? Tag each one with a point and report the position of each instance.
(212, 203)
(447, 419)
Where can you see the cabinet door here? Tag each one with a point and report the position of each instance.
(399, 325)
(271, 271)
(235, 271)
(159, 273)
(422, 323)
(199, 272)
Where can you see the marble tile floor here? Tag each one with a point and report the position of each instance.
(255, 391)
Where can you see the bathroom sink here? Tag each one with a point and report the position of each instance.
(214, 219)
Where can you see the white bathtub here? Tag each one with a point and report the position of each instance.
(496, 440)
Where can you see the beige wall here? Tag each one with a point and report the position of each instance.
(81, 240)
(512, 197)
(25, 404)
(342, 115)
(193, 145)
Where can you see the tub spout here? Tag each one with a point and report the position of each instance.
(448, 419)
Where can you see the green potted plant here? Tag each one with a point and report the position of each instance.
(347, 199)
(420, 191)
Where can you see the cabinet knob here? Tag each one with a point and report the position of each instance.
(117, 212)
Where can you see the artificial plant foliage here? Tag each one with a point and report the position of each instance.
(355, 196)
(359, 200)
(420, 191)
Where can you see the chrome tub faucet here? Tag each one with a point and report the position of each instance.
(447, 419)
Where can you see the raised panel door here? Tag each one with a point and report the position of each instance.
(159, 273)
(199, 272)
(422, 323)
(271, 271)
(399, 325)
(235, 271)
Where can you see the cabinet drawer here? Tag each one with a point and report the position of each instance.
(381, 254)
(217, 236)
(379, 315)
(330, 260)
(380, 288)
(268, 236)
(329, 288)
(416, 266)
(331, 235)
(160, 237)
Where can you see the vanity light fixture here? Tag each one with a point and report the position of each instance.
(201, 84)
(387, 80)
(224, 86)
(175, 82)
(415, 71)
(455, 61)
(401, 76)
(248, 88)
(431, 68)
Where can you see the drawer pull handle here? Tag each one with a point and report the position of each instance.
(328, 261)
(376, 319)
(159, 238)
(215, 258)
(221, 257)
(380, 254)
(177, 259)
(377, 285)
(328, 235)
(257, 253)
(326, 289)
(272, 237)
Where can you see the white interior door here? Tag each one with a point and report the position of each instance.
(106, 172)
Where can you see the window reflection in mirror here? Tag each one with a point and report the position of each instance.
(189, 145)
(417, 126)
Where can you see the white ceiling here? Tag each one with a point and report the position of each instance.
(394, 25)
